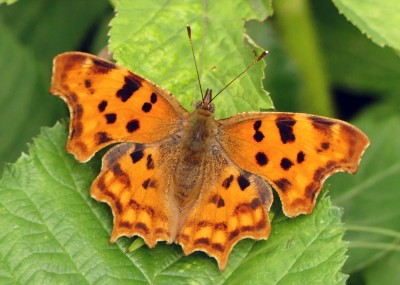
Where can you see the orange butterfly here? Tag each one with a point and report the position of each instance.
(187, 177)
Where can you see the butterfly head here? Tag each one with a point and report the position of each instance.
(205, 103)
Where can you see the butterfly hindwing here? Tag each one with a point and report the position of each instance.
(231, 207)
(294, 152)
(132, 183)
(110, 104)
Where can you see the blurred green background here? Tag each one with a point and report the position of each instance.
(318, 63)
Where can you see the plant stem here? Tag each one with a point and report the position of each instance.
(299, 35)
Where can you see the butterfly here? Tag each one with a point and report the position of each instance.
(189, 178)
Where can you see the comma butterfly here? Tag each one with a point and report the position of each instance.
(188, 177)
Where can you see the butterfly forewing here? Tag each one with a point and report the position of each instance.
(110, 104)
(294, 152)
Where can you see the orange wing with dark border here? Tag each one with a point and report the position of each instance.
(110, 104)
(294, 152)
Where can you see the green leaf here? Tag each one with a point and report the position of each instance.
(32, 33)
(52, 232)
(354, 62)
(159, 49)
(375, 18)
(303, 250)
(370, 198)
(51, 27)
(386, 271)
(8, 2)
(24, 104)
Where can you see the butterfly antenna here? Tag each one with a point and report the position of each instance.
(189, 31)
(264, 53)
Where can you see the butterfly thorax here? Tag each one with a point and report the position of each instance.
(195, 146)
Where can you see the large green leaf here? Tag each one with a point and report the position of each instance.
(375, 18)
(150, 38)
(371, 198)
(52, 232)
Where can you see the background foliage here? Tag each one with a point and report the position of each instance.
(51, 231)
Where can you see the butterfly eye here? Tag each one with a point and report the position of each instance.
(211, 107)
(199, 104)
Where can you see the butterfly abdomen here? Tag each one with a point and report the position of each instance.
(195, 146)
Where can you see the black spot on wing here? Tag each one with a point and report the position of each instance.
(286, 163)
(261, 159)
(88, 83)
(132, 126)
(146, 183)
(146, 107)
(258, 136)
(257, 125)
(300, 157)
(136, 155)
(111, 118)
(285, 126)
(102, 106)
(220, 203)
(130, 86)
(243, 182)
(153, 98)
